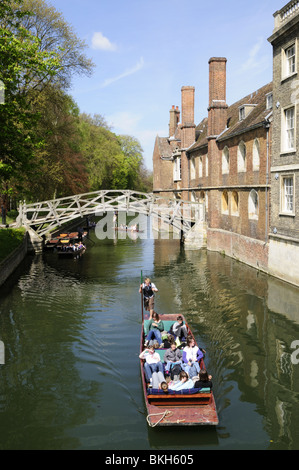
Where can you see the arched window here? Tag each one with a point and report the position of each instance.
(242, 157)
(253, 205)
(225, 161)
(224, 202)
(200, 167)
(192, 168)
(193, 197)
(235, 203)
(256, 155)
(202, 196)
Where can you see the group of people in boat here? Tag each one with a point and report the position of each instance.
(180, 368)
(73, 247)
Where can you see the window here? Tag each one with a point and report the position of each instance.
(192, 168)
(253, 205)
(269, 101)
(200, 167)
(225, 160)
(177, 169)
(224, 203)
(207, 166)
(242, 113)
(235, 203)
(242, 157)
(256, 155)
(289, 61)
(287, 195)
(288, 130)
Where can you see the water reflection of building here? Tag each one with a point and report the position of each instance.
(247, 321)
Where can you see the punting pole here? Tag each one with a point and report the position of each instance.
(142, 297)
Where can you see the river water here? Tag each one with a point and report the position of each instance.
(71, 332)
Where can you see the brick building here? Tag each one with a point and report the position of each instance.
(224, 162)
(243, 163)
(284, 232)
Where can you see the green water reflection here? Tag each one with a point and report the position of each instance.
(71, 334)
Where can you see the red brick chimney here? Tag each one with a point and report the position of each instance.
(174, 120)
(217, 96)
(217, 121)
(187, 132)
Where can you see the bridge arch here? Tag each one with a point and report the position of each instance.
(43, 217)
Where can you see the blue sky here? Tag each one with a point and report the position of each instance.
(146, 50)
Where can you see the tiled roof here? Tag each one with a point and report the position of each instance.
(165, 149)
(255, 117)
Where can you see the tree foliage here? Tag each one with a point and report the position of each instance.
(47, 148)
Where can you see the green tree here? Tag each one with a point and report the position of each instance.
(19, 53)
(54, 34)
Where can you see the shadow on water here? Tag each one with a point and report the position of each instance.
(180, 438)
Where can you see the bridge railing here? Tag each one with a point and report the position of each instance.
(45, 216)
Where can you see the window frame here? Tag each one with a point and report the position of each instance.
(284, 129)
(177, 172)
(256, 152)
(253, 215)
(244, 158)
(225, 161)
(285, 69)
(283, 210)
(233, 211)
(192, 168)
(224, 202)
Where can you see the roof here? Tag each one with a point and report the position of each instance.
(165, 149)
(255, 118)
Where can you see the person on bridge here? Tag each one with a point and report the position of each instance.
(148, 288)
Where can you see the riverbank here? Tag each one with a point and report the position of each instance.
(13, 249)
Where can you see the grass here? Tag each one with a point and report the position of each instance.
(10, 239)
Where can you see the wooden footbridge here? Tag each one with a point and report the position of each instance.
(43, 217)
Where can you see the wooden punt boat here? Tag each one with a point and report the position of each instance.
(180, 408)
(71, 253)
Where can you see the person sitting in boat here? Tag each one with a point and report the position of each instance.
(152, 362)
(172, 356)
(179, 329)
(157, 380)
(184, 383)
(204, 380)
(191, 357)
(155, 328)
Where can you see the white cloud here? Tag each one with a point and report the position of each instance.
(127, 72)
(124, 122)
(99, 41)
(255, 60)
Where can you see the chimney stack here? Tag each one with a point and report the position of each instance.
(217, 96)
(187, 124)
(174, 120)
(187, 133)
